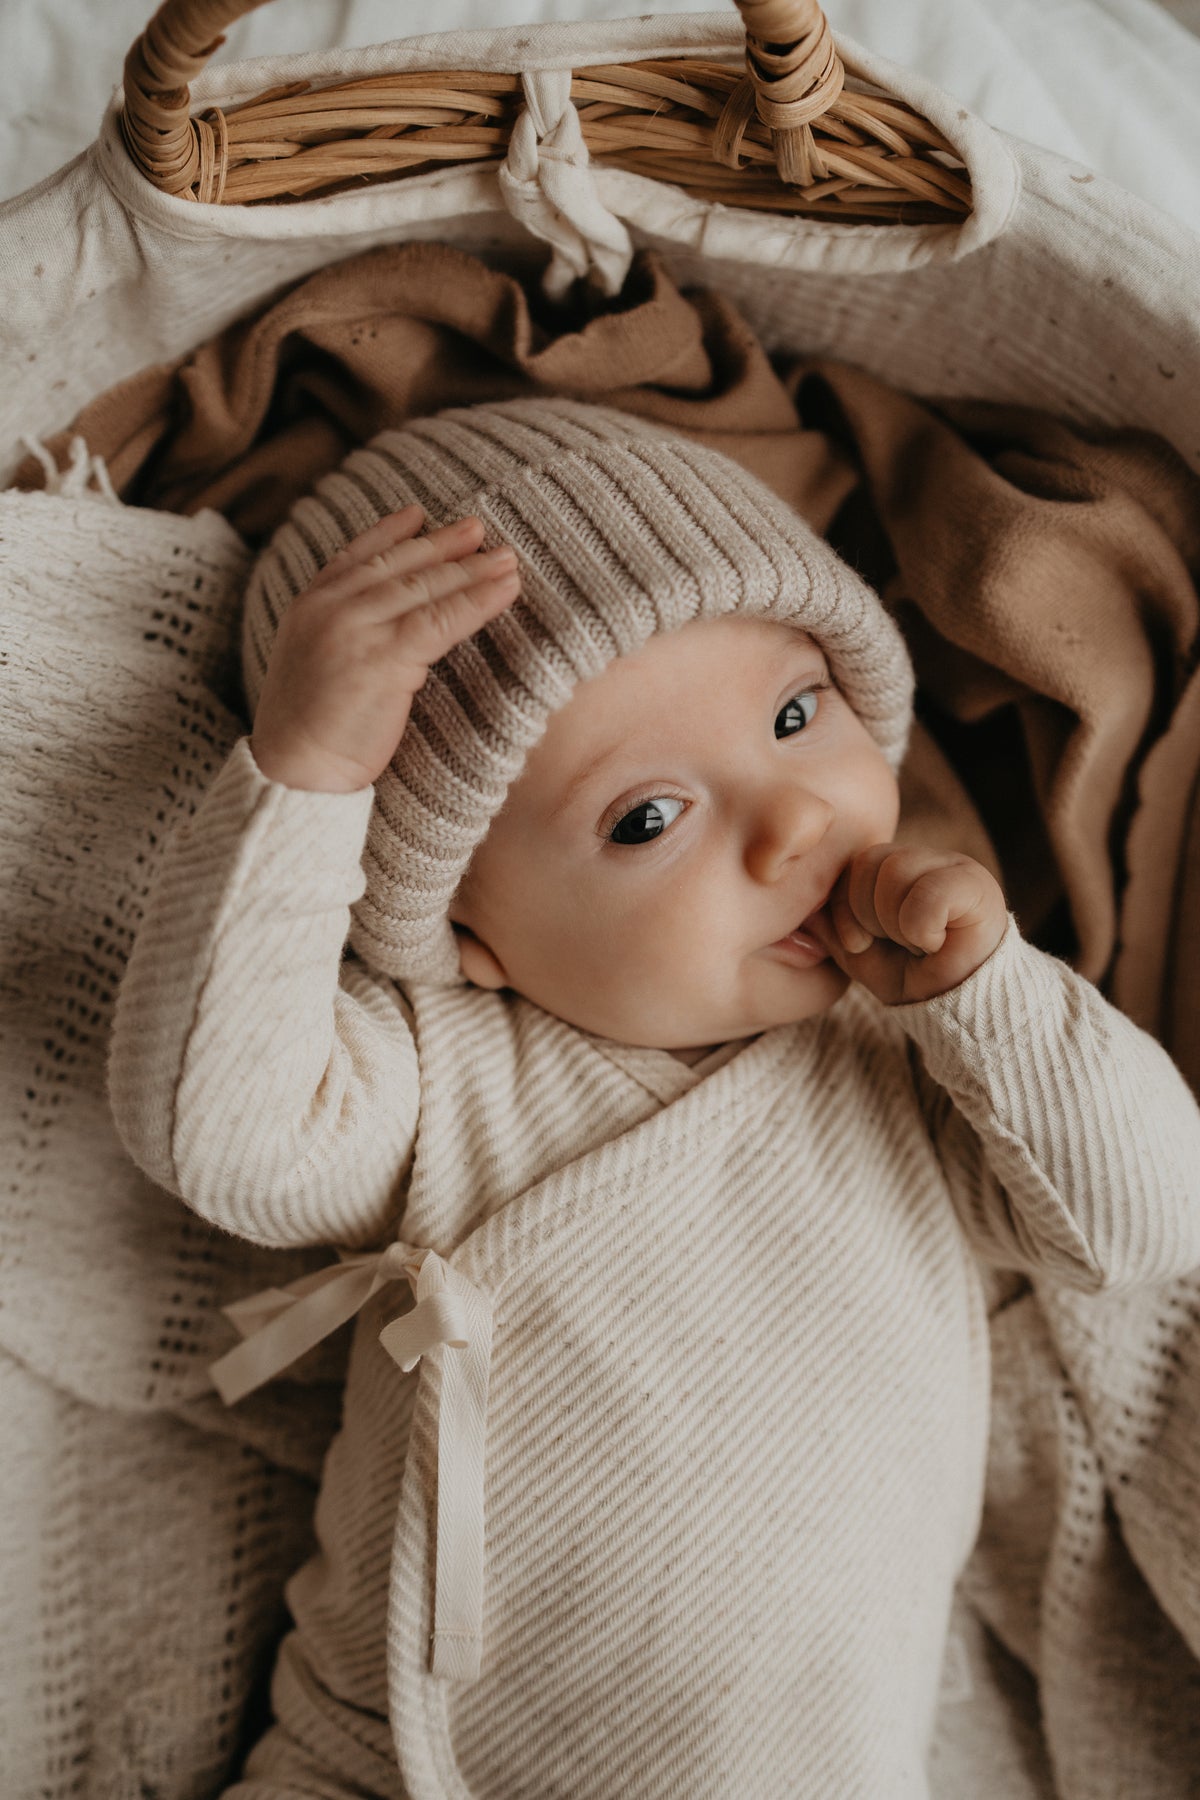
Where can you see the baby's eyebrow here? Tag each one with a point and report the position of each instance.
(583, 778)
(804, 644)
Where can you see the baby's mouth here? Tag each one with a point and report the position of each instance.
(810, 934)
(818, 921)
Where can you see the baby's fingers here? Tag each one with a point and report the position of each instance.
(955, 896)
(852, 935)
(927, 908)
(852, 904)
(428, 632)
(395, 528)
(915, 891)
(910, 922)
(893, 891)
(398, 556)
(402, 595)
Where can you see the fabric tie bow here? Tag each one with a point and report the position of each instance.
(279, 1325)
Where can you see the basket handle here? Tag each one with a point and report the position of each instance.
(160, 135)
(794, 76)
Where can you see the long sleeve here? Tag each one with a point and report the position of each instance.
(1070, 1140)
(252, 1071)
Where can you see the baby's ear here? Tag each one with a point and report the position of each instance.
(476, 962)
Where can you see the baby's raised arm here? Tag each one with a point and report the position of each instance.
(251, 1071)
(1069, 1138)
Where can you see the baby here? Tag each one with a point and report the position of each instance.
(684, 1099)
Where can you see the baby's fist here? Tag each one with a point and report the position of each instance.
(909, 922)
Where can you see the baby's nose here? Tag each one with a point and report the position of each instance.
(788, 823)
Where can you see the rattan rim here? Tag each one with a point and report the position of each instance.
(789, 135)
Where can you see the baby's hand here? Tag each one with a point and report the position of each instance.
(910, 923)
(354, 648)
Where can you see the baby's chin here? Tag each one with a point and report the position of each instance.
(785, 998)
(803, 997)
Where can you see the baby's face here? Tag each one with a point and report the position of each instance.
(685, 811)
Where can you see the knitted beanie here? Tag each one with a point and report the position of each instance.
(621, 529)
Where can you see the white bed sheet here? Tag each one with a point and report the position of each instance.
(1113, 83)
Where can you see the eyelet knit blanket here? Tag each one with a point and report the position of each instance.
(1046, 580)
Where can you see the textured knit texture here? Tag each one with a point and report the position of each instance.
(622, 530)
(123, 1479)
(737, 1399)
(143, 1565)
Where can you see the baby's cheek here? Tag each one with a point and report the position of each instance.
(683, 942)
(624, 943)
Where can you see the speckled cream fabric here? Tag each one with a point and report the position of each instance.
(622, 529)
(727, 1349)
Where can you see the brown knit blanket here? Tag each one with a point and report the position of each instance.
(1046, 578)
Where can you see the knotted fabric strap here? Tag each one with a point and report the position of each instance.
(449, 1310)
(280, 1324)
(547, 185)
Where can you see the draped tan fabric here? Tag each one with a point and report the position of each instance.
(1045, 575)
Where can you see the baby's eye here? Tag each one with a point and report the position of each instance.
(649, 819)
(798, 713)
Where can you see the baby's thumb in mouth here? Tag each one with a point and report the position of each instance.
(820, 926)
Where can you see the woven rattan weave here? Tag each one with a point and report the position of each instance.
(789, 133)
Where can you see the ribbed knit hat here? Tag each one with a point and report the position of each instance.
(622, 529)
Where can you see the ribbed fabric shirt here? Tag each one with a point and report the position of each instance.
(726, 1380)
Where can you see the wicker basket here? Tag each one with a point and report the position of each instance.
(792, 133)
